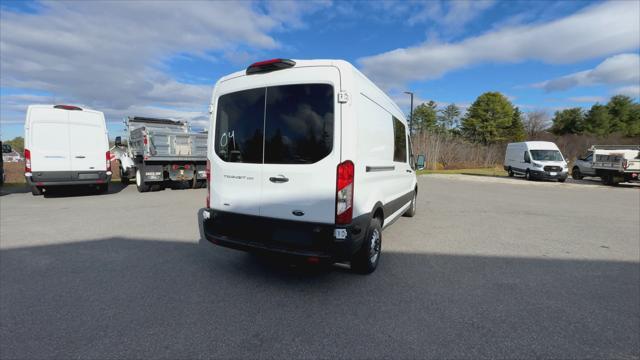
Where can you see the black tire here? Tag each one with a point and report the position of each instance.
(510, 172)
(35, 190)
(411, 211)
(124, 179)
(576, 174)
(141, 185)
(527, 175)
(607, 179)
(156, 187)
(366, 260)
(194, 182)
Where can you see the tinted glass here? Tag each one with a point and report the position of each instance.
(400, 141)
(239, 124)
(299, 123)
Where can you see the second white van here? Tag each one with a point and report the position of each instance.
(306, 158)
(535, 160)
(66, 145)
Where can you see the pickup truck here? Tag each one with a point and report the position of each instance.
(612, 163)
(159, 152)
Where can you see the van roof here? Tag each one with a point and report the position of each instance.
(543, 145)
(343, 65)
(52, 107)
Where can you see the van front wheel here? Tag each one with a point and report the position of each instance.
(365, 261)
(527, 175)
(140, 184)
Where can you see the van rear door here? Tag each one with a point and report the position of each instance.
(274, 149)
(301, 149)
(87, 141)
(48, 139)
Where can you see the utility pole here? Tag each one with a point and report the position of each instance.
(411, 113)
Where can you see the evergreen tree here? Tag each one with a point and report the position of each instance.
(488, 119)
(425, 116)
(448, 117)
(598, 121)
(568, 121)
(516, 131)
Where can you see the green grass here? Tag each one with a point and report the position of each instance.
(493, 171)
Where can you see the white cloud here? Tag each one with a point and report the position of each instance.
(596, 31)
(588, 99)
(111, 55)
(631, 90)
(618, 69)
(452, 14)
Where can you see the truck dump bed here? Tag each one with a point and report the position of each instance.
(162, 139)
(623, 158)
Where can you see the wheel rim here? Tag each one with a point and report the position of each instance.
(374, 246)
(527, 175)
(138, 180)
(413, 203)
(577, 174)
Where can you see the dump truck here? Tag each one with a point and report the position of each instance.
(161, 152)
(616, 163)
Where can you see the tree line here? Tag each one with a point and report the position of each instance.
(493, 119)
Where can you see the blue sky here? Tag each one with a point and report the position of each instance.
(162, 58)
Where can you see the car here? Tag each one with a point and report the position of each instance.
(583, 166)
(66, 145)
(535, 160)
(307, 158)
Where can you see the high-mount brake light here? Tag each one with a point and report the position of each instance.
(67, 107)
(344, 193)
(269, 65)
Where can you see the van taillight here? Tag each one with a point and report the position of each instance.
(625, 164)
(108, 160)
(144, 139)
(27, 161)
(344, 193)
(208, 175)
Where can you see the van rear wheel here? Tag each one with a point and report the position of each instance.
(510, 172)
(366, 260)
(140, 184)
(411, 211)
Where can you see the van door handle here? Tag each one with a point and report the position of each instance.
(279, 179)
(409, 171)
(80, 157)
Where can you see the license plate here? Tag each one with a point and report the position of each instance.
(553, 173)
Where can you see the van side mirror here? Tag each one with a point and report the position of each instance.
(420, 162)
(118, 141)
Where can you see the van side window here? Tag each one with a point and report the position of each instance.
(400, 141)
(527, 158)
(239, 126)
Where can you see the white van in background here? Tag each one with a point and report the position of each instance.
(66, 145)
(306, 158)
(536, 160)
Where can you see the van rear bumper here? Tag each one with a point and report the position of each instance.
(262, 234)
(55, 178)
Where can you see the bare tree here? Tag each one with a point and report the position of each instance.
(535, 123)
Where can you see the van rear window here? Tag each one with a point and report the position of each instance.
(295, 123)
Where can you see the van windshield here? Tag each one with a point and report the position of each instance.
(288, 124)
(546, 155)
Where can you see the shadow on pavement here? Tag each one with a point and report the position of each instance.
(126, 298)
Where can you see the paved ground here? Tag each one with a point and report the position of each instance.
(488, 268)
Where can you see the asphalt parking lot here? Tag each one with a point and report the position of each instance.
(488, 268)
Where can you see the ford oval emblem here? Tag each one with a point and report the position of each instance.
(297, 212)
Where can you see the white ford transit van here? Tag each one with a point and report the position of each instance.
(536, 160)
(65, 145)
(306, 158)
